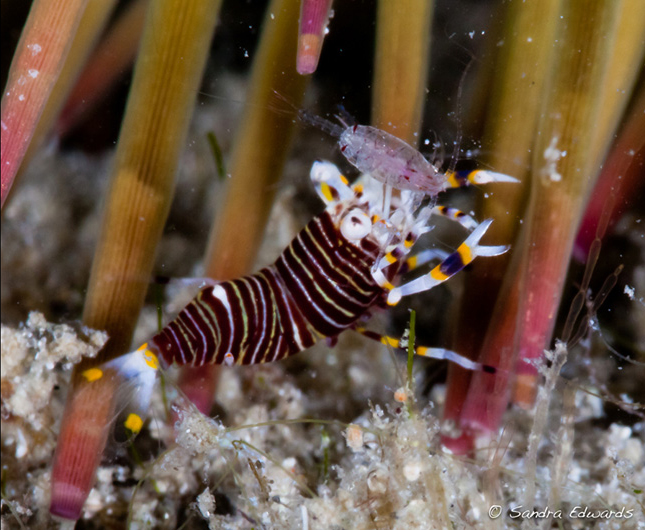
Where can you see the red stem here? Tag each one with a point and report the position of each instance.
(314, 15)
(37, 63)
(112, 59)
(622, 175)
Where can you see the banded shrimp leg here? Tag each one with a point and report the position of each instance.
(451, 265)
(425, 256)
(441, 354)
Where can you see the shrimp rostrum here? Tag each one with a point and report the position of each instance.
(347, 260)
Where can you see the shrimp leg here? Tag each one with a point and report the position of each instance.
(456, 261)
(460, 179)
(454, 214)
(425, 351)
(414, 262)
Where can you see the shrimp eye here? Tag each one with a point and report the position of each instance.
(356, 225)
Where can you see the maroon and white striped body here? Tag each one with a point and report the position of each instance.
(320, 285)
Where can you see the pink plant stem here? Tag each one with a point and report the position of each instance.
(74, 465)
(546, 262)
(526, 318)
(486, 277)
(563, 172)
(37, 63)
(622, 175)
(199, 385)
(314, 15)
(108, 63)
(456, 387)
(488, 394)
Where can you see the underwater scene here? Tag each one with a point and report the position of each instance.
(283, 264)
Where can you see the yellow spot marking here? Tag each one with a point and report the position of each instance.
(358, 188)
(408, 243)
(422, 350)
(412, 262)
(375, 218)
(133, 422)
(93, 374)
(390, 257)
(390, 341)
(438, 275)
(149, 357)
(326, 191)
(454, 183)
(344, 180)
(384, 283)
(472, 175)
(151, 360)
(465, 253)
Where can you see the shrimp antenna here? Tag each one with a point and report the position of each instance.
(438, 151)
(319, 122)
(460, 89)
(344, 117)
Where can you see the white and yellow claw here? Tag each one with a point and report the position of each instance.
(484, 176)
(330, 184)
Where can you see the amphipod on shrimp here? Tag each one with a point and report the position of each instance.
(395, 162)
(345, 261)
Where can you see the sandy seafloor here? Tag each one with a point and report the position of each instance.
(323, 440)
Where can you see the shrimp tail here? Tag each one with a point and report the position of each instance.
(137, 373)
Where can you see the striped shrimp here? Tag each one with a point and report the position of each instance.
(344, 262)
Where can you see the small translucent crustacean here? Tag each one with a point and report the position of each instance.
(396, 163)
(344, 262)
(392, 161)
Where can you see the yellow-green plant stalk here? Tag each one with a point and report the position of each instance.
(112, 58)
(514, 107)
(400, 79)
(401, 66)
(627, 51)
(44, 44)
(511, 117)
(174, 48)
(564, 168)
(260, 149)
